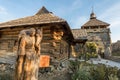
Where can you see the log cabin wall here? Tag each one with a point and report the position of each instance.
(57, 49)
(8, 39)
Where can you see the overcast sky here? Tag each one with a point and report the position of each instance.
(76, 12)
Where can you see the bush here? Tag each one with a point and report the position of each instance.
(91, 47)
(91, 50)
(97, 72)
(81, 75)
(85, 71)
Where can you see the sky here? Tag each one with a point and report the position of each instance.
(75, 12)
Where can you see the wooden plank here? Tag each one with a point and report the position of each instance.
(5, 38)
(47, 35)
(47, 47)
(47, 50)
(47, 31)
(47, 38)
(9, 37)
(4, 46)
(45, 44)
(52, 40)
(10, 33)
(9, 30)
(46, 28)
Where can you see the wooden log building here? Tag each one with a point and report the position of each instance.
(78, 44)
(57, 35)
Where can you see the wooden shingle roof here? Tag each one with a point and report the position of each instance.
(41, 17)
(43, 10)
(79, 33)
(94, 22)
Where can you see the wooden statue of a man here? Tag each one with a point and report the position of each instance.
(27, 66)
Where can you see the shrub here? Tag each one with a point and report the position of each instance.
(85, 71)
(81, 75)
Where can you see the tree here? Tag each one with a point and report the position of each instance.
(90, 49)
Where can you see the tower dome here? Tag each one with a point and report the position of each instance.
(92, 15)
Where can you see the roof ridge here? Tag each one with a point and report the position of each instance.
(102, 21)
(43, 10)
(95, 22)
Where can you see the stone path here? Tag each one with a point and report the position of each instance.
(106, 62)
(103, 61)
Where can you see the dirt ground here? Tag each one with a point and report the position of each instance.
(58, 75)
(7, 73)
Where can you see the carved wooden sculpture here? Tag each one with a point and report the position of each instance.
(57, 35)
(28, 54)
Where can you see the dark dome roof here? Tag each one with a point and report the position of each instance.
(92, 15)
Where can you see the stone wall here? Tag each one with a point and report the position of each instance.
(100, 36)
(116, 48)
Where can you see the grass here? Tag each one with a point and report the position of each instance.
(6, 76)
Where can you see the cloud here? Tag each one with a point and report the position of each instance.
(2, 10)
(112, 16)
(69, 9)
(5, 15)
(76, 4)
(71, 14)
(76, 22)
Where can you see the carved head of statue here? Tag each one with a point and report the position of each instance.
(39, 32)
(32, 32)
